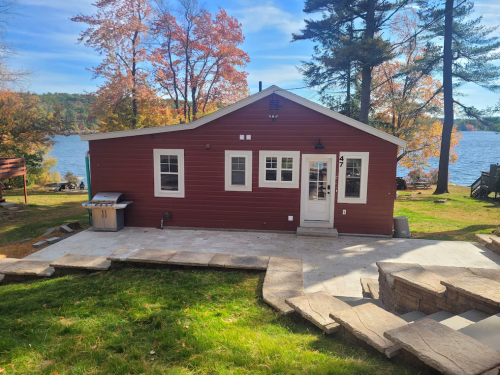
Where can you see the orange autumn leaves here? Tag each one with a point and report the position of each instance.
(162, 67)
(407, 102)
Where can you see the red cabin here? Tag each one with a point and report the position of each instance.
(272, 161)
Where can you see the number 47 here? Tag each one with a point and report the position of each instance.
(341, 161)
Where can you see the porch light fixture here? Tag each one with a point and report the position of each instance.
(319, 146)
(273, 117)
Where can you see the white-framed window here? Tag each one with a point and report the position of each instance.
(353, 177)
(238, 166)
(279, 169)
(169, 173)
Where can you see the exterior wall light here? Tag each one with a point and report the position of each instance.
(273, 117)
(319, 146)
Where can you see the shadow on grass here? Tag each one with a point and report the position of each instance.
(195, 322)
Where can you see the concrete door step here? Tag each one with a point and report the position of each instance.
(80, 263)
(368, 323)
(486, 331)
(357, 301)
(317, 232)
(465, 319)
(316, 308)
(444, 349)
(413, 316)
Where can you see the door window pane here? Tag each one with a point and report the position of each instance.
(238, 171)
(318, 178)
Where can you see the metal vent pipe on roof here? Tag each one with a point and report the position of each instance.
(260, 86)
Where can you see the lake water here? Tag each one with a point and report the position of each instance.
(476, 152)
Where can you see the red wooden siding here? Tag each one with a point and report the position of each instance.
(126, 165)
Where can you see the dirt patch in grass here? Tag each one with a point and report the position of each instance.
(45, 209)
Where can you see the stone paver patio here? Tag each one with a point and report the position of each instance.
(332, 265)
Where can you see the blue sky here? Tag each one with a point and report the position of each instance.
(45, 41)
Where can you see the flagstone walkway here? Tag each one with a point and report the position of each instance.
(332, 265)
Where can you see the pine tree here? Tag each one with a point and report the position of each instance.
(466, 56)
(349, 36)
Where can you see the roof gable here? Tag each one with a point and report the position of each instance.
(242, 103)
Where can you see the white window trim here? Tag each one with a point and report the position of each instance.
(248, 170)
(365, 157)
(157, 174)
(294, 184)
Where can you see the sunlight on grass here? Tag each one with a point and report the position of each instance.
(195, 322)
(458, 219)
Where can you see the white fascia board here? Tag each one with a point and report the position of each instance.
(242, 103)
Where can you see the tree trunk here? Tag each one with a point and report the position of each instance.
(366, 70)
(444, 156)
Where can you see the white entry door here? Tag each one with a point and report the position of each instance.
(318, 190)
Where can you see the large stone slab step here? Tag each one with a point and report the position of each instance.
(465, 319)
(486, 331)
(19, 269)
(368, 323)
(444, 349)
(474, 286)
(281, 283)
(245, 262)
(421, 279)
(81, 262)
(316, 307)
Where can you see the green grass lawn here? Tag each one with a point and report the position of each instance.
(196, 322)
(456, 220)
(44, 210)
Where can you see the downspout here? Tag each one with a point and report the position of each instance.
(89, 190)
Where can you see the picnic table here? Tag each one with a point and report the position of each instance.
(422, 185)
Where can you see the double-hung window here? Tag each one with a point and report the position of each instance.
(238, 166)
(169, 173)
(279, 169)
(353, 177)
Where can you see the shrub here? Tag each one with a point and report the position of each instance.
(417, 175)
(70, 177)
(434, 176)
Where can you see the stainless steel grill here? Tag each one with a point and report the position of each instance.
(107, 211)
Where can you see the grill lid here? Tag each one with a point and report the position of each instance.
(107, 197)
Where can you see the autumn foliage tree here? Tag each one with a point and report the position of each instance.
(406, 100)
(118, 31)
(161, 67)
(197, 59)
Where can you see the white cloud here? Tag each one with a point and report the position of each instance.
(263, 17)
(281, 75)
